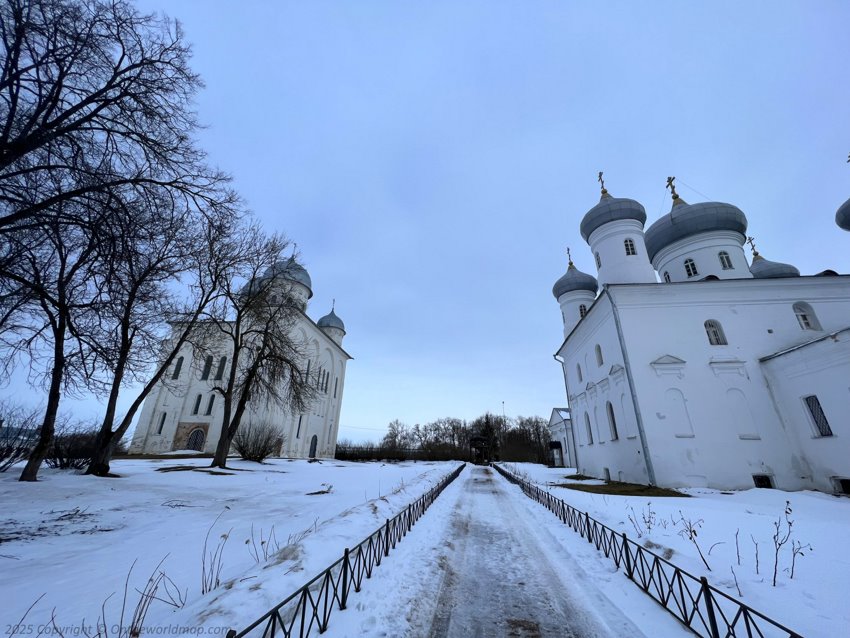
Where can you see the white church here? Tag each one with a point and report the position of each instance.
(183, 412)
(685, 364)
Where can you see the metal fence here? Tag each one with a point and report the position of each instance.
(309, 608)
(704, 609)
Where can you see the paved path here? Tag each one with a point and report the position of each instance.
(479, 564)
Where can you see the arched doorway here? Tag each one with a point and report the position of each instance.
(313, 443)
(196, 440)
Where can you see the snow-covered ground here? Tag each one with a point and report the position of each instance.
(813, 603)
(73, 539)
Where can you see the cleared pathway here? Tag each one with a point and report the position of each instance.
(478, 565)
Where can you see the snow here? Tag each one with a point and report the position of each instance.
(813, 603)
(74, 538)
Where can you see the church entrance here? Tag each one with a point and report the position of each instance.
(196, 440)
(313, 443)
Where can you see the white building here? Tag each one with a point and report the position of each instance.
(183, 412)
(561, 447)
(724, 374)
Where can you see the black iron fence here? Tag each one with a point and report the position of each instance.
(310, 607)
(704, 609)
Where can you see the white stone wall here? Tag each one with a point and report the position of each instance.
(704, 249)
(608, 241)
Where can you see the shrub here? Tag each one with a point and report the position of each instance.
(72, 446)
(19, 428)
(258, 441)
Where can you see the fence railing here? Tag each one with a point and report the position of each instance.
(309, 608)
(704, 609)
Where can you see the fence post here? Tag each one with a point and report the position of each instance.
(343, 600)
(587, 527)
(387, 539)
(709, 607)
(628, 555)
(409, 519)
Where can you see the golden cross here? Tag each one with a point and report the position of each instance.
(569, 256)
(602, 183)
(672, 187)
(333, 304)
(752, 242)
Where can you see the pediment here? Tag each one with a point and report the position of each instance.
(668, 364)
(668, 359)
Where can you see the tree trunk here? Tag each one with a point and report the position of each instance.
(54, 396)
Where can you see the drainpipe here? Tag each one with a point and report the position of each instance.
(650, 471)
(567, 390)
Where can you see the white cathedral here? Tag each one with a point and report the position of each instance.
(183, 412)
(685, 365)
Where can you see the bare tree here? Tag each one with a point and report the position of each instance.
(253, 320)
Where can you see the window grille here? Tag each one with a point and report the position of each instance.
(725, 260)
(818, 415)
(666, 277)
(598, 261)
(690, 268)
(714, 330)
(630, 247)
(582, 311)
(806, 316)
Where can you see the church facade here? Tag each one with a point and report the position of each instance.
(184, 413)
(688, 365)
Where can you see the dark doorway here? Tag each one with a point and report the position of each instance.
(196, 440)
(313, 443)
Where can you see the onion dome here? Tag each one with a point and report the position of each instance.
(765, 269)
(611, 209)
(330, 320)
(842, 216)
(573, 280)
(291, 270)
(686, 220)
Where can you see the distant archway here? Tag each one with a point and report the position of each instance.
(196, 440)
(314, 442)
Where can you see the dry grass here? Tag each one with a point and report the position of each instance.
(622, 489)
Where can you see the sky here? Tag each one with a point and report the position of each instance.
(433, 161)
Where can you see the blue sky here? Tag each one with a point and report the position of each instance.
(433, 161)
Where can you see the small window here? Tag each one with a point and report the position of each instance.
(763, 480)
(210, 405)
(714, 330)
(599, 360)
(582, 311)
(207, 367)
(666, 277)
(842, 485)
(219, 373)
(598, 261)
(630, 247)
(177, 367)
(307, 374)
(818, 416)
(588, 428)
(578, 372)
(161, 423)
(806, 316)
(298, 432)
(607, 474)
(725, 260)
(197, 405)
(690, 268)
(612, 422)
(336, 383)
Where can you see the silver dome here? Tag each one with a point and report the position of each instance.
(686, 220)
(291, 270)
(330, 320)
(842, 216)
(610, 209)
(765, 269)
(574, 279)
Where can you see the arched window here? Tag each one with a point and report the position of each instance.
(161, 423)
(715, 333)
(725, 260)
(599, 360)
(598, 261)
(666, 277)
(219, 373)
(630, 247)
(197, 405)
(588, 429)
(612, 422)
(578, 372)
(314, 442)
(196, 440)
(210, 405)
(582, 311)
(806, 317)
(690, 268)
(177, 367)
(207, 367)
